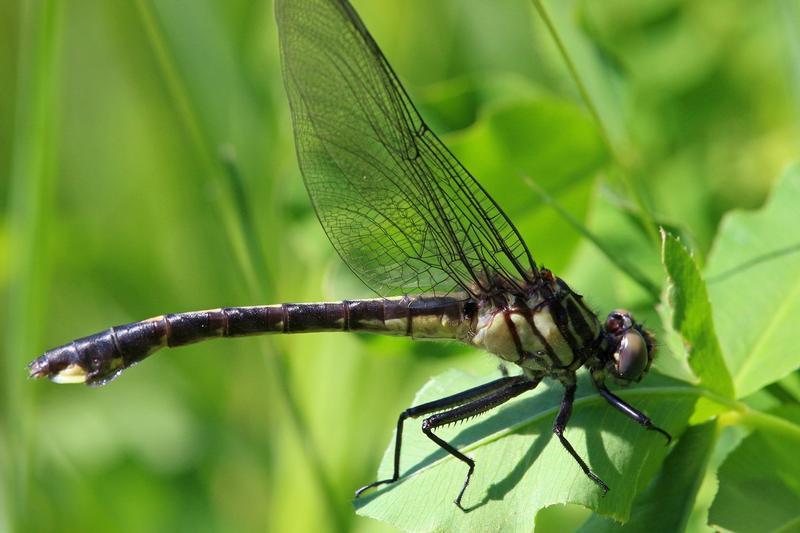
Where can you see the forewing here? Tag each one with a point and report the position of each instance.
(399, 208)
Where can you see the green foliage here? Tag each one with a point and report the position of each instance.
(693, 319)
(755, 288)
(668, 502)
(521, 466)
(523, 470)
(758, 483)
(537, 137)
(118, 206)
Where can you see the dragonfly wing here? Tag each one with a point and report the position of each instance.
(399, 208)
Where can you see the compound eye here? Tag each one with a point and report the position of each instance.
(631, 357)
(618, 321)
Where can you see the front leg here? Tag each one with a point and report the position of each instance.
(625, 408)
(558, 428)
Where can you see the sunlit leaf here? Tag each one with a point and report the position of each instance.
(758, 483)
(521, 466)
(754, 285)
(693, 319)
(668, 501)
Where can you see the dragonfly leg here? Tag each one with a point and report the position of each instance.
(449, 402)
(628, 410)
(558, 428)
(512, 388)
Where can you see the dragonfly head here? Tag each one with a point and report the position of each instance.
(631, 347)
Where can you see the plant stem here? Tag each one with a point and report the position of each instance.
(743, 414)
(623, 162)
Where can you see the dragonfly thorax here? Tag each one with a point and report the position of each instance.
(547, 331)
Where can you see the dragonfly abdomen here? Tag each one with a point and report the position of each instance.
(99, 358)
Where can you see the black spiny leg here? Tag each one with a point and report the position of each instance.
(628, 410)
(455, 400)
(558, 428)
(513, 387)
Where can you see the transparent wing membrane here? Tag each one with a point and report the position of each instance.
(400, 209)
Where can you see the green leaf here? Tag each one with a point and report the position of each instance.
(671, 358)
(693, 319)
(668, 501)
(455, 104)
(759, 483)
(520, 466)
(754, 285)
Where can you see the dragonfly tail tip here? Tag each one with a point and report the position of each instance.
(38, 368)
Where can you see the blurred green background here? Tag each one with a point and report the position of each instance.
(148, 166)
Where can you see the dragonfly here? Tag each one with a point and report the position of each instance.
(416, 227)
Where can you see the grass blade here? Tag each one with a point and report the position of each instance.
(624, 266)
(615, 138)
(31, 196)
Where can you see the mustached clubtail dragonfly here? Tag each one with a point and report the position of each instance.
(407, 218)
